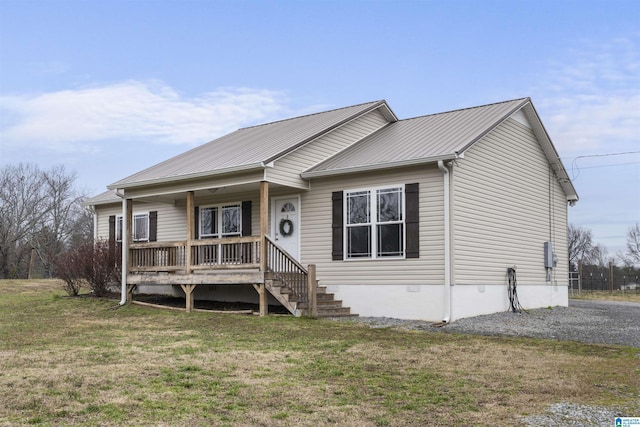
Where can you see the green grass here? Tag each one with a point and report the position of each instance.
(84, 361)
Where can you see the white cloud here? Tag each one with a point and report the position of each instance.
(72, 120)
(592, 98)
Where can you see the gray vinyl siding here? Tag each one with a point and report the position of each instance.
(172, 217)
(316, 231)
(103, 213)
(287, 169)
(501, 210)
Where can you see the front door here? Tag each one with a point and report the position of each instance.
(286, 224)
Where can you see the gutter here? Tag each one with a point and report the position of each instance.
(447, 244)
(125, 249)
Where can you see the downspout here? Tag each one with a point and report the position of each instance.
(447, 244)
(125, 249)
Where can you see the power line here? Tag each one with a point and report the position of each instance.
(609, 166)
(575, 170)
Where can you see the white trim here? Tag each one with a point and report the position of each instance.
(373, 222)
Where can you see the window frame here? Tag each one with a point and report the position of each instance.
(220, 220)
(374, 222)
(119, 224)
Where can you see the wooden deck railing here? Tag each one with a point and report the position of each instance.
(289, 271)
(228, 252)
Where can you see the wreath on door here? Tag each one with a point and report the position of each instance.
(286, 227)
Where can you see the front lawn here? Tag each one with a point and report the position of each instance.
(84, 361)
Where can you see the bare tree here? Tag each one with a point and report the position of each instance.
(580, 244)
(22, 207)
(633, 243)
(63, 217)
(600, 255)
(38, 210)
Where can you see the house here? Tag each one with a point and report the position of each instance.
(418, 218)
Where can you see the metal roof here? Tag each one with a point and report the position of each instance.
(417, 140)
(105, 198)
(248, 148)
(420, 139)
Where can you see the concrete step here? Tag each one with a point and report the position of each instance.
(335, 312)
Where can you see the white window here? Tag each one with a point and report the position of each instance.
(374, 223)
(220, 220)
(140, 228)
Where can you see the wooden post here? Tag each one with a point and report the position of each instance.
(312, 295)
(262, 296)
(190, 229)
(188, 296)
(579, 277)
(264, 302)
(32, 263)
(264, 221)
(610, 276)
(130, 289)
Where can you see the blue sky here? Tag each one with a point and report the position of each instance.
(110, 87)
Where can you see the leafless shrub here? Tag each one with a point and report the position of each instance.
(97, 264)
(69, 268)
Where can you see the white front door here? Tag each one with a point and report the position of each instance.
(286, 224)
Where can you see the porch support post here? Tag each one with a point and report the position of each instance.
(312, 293)
(130, 290)
(264, 221)
(264, 306)
(190, 229)
(262, 295)
(188, 296)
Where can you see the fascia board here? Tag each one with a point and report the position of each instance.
(550, 151)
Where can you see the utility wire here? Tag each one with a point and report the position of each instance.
(575, 170)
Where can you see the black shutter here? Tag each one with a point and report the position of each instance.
(337, 252)
(196, 223)
(412, 221)
(153, 226)
(113, 247)
(246, 218)
(112, 230)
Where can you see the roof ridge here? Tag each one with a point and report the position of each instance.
(464, 109)
(381, 101)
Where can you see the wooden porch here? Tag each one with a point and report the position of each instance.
(225, 261)
(248, 260)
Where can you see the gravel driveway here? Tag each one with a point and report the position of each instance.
(599, 322)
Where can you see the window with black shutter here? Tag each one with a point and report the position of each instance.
(376, 223)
